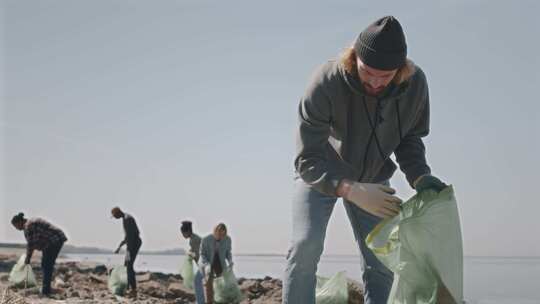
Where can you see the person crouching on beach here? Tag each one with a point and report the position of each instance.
(357, 111)
(194, 240)
(215, 250)
(45, 237)
(133, 242)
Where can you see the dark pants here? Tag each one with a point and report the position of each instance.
(48, 260)
(131, 255)
(209, 287)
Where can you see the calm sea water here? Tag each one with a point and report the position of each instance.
(487, 280)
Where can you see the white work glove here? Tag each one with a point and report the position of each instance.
(374, 198)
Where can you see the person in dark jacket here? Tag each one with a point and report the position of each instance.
(357, 111)
(133, 242)
(45, 237)
(194, 240)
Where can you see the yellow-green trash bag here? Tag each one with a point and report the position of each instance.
(187, 272)
(332, 290)
(423, 247)
(21, 275)
(118, 280)
(226, 288)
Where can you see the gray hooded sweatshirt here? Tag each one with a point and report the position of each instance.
(344, 133)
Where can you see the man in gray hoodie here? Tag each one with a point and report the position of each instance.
(356, 112)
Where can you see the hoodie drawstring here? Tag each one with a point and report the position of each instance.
(373, 125)
(399, 120)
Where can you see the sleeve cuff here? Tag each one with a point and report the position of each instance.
(414, 176)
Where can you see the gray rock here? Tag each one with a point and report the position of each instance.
(145, 277)
(100, 269)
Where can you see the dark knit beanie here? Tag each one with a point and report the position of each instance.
(382, 45)
(186, 226)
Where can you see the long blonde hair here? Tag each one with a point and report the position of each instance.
(348, 59)
(221, 227)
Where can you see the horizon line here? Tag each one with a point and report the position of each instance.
(3, 245)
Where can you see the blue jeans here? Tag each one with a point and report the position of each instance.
(199, 287)
(311, 212)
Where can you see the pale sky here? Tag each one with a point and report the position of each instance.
(187, 109)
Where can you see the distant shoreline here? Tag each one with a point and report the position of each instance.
(71, 249)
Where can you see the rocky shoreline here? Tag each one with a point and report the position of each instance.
(87, 283)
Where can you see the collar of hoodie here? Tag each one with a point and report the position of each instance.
(392, 91)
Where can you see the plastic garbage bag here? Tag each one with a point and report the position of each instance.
(118, 280)
(423, 247)
(187, 272)
(226, 288)
(21, 274)
(332, 290)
